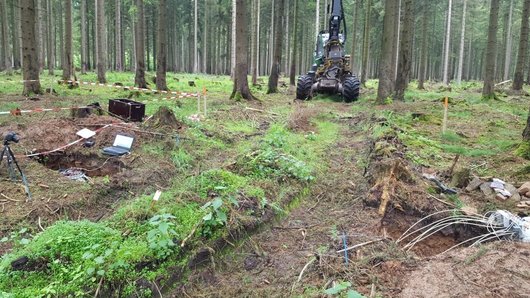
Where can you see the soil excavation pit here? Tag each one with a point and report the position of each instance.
(398, 223)
(92, 165)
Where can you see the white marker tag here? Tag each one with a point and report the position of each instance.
(157, 195)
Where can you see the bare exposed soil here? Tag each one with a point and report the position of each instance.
(297, 255)
(56, 197)
(369, 192)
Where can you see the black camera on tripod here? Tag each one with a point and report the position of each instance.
(12, 164)
(11, 137)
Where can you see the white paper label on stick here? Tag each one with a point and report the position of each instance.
(86, 133)
(158, 193)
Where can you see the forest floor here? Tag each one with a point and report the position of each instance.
(259, 197)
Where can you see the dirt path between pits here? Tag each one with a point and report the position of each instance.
(269, 263)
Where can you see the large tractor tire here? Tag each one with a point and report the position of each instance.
(351, 89)
(303, 89)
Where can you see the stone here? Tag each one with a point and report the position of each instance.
(515, 194)
(461, 178)
(500, 197)
(474, 184)
(468, 210)
(525, 188)
(486, 189)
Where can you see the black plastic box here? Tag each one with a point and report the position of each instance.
(127, 109)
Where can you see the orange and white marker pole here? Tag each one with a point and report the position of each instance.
(446, 110)
(204, 98)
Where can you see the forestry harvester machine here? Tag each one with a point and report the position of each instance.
(331, 73)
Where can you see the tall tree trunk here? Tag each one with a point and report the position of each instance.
(30, 62)
(101, 42)
(195, 38)
(68, 63)
(234, 45)
(51, 38)
(205, 43)
(15, 21)
(253, 41)
(153, 36)
(386, 71)
(491, 51)
(118, 40)
(286, 35)
(366, 42)
(39, 29)
(462, 43)
(523, 49)
(292, 77)
(5, 37)
(241, 88)
(276, 63)
(139, 79)
(271, 37)
(405, 50)
(258, 18)
(526, 132)
(84, 39)
(397, 33)
(317, 19)
(509, 42)
(447, 47)
(61, 33)
(161, 63)
(147, 48)
(353, 37)
(424, 49)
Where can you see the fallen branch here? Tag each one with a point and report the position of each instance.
(8, 198)
(262, 111)
(157, 288)
(452, 169)
(441, 201)
(502, 83)
(388, 188)
(360, 245)
(40, 225)
(99, 287)
(190, 234)
(311, 261)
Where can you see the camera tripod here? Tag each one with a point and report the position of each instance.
(11, 164)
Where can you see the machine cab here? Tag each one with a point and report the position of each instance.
(322, 42)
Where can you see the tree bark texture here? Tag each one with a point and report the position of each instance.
(276, 63)
(30, 62)
(101, 42)
(462, 43)
(139, 79)
(241, 88)
(118, 39)
(366, 42)
(292, 76)
(405, 50)
(491, 51)
(161, 63)
(423, 58)
(51, 38)
(5, 40)
(523, 49)
(447, 44)
(386, 71)
(68, 63)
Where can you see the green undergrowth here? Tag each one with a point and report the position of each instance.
(466, 135)
(142, 239)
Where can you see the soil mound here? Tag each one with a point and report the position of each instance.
(165, 118)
